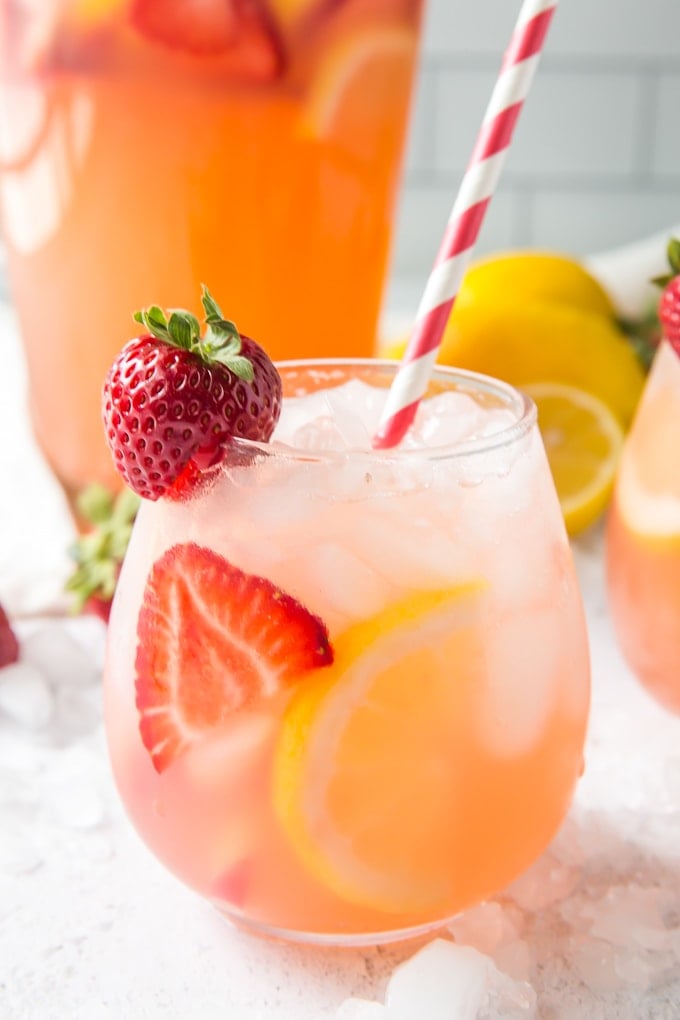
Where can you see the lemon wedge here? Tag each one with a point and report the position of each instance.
(370, 745)
(583, 441)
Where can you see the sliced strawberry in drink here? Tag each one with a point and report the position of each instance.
(212, 639)
(241, 32)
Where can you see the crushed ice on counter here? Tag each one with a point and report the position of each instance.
(54, 688)
(447, 981)
(566, 921)
(54, 778)
(59, 656)
(25, 696)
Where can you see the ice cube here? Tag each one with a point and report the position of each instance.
(90, 633)
(24, 695)
(321, 434)
(446, 981)
(59, 657)
(442, 981)
(484, 927)
(241, 745)
(546, 882)
(419, 556)
(355, 411)
(516, 959)
(567, 846)
(631, 916)
(78, 712)
(599, 965)
(445, 419)
(297, 413)
(522, 674)
(348, 590)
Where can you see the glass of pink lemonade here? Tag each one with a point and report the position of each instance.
(257, 141)
(643, 535)
(347, 690)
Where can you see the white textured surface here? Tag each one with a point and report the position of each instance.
(92, 928)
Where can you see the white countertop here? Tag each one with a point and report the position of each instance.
(92, 927)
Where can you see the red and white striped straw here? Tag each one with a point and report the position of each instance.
(476, 190)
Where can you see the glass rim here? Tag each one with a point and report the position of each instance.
(511, 397)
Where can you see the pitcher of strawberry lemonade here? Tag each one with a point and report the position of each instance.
(256, 142)
(346, 690)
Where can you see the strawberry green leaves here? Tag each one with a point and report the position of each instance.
(221, 343)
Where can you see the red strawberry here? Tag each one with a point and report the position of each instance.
(9, 646)
(240, 32)
(211, 639)
(173, 400)
(669, 304)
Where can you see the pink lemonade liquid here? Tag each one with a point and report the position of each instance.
(431, 761)
(643, 536)
(137, 162)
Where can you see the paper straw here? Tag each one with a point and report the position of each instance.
(476, 190)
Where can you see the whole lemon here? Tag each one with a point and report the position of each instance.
(534, 274)
(531, 316)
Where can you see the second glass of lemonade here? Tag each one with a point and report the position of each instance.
(347, 690)
(643, 535)
(252, 143)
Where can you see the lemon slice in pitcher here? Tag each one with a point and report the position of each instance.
(362, 86)
(366, 770)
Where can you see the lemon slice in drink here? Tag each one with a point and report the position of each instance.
(366, 771)
(583, 441)
(362, 86)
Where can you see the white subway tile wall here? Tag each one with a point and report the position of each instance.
(595, 161)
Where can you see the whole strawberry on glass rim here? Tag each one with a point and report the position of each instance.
(174, 399)
(669, 303)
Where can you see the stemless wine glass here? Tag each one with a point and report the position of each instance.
(643, 535)
(147, 147)
(346, 690)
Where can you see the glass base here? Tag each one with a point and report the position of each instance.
(336, 939)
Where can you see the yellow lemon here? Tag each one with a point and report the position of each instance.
(583, 441)
(527, 342)
(369, 745)
(547, 276)
(532, 317)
